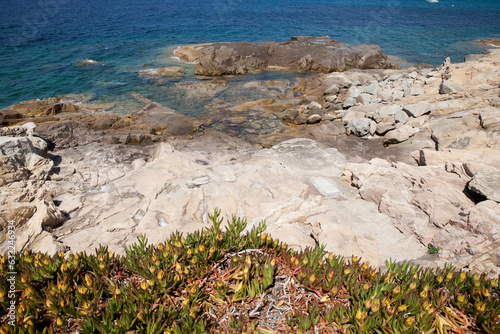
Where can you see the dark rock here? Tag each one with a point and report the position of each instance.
(321, 54)
(10, 117)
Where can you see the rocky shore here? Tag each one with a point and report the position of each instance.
(380, 163)
(302, 53)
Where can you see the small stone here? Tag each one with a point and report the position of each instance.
(385, 126)
(334, 89)
(395, 77)
(331, 98)
(418, 109)
(314, 105)
(416, 90)
(349, 102)
(313, 119)
(363, 98)
(362, 126)
(326, 187)
(370, 89)
(432, 80)
(448, 87)
(401, 117)
(399, 135)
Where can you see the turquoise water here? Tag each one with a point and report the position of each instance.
(41, 39)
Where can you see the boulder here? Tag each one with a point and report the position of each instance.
(21, 157)
(364, 98)
(313, 119)
(399, 135)
(417, 109)
(361, 127)
(486, 183)
(448, 87)
(349, 102)
(460, 130)
(401, 117)
(386, 125)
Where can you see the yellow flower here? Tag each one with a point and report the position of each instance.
(273, 262)
(413, 285)
(160, 274)
(82, 290)
(410, 321)
(347, 271)
(88, 280)
(439, 279)
(396, 290)
(463, 275)
(368, 304)
(402, 308)
(312, 278)
(359, 315)
(375, 305)
(202, 248)
(144, 285)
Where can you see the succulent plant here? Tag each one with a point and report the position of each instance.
(222, 280)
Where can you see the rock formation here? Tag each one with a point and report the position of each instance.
(302, 53)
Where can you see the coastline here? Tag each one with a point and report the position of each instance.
(373, 126)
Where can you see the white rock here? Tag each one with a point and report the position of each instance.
(326, 187)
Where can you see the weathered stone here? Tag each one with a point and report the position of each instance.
(448, 87)
(386, 125)
(313, 119)
(417, 109)
(364, 98)
(362, 126)
(400, 134)
(486, 183)
(401, 117)
(349, 102)
(321, 54)
(314, 106)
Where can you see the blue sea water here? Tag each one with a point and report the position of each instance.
(41, 39)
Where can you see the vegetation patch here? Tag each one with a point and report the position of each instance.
(220, 280)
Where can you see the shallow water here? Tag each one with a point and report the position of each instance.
(41, 39)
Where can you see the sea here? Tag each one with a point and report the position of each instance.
(40, 40)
